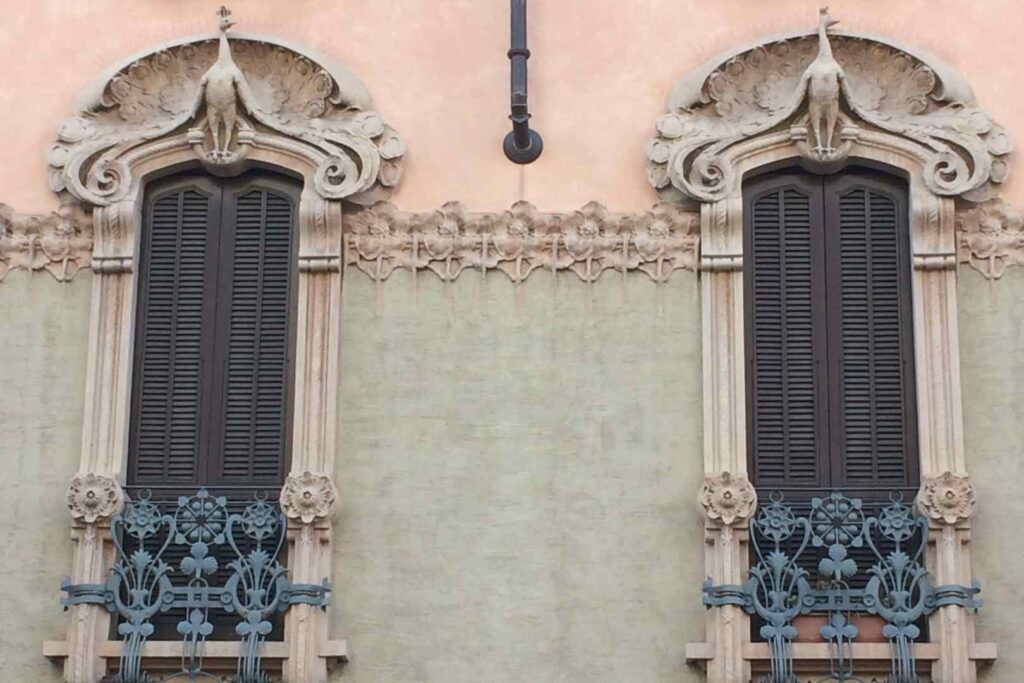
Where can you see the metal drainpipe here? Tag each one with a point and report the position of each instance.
(522, 145)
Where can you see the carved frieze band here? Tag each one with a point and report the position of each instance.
(990, 237)
(59, 242)
(520, 241)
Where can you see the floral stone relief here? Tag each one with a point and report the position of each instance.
(990, 237)
(222, 96)
(92, 497)
(948, 498)
(728, 498)
(826, 89)
(308, 497)
(59, 242)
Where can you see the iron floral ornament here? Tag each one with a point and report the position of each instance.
(728, 498)
(92, 497)
(308, 497)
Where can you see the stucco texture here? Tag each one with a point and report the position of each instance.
(600, 76)
(43, 334)
(992, 358)
(518, 480)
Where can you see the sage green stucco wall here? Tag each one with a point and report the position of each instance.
(992, 363)
(43, 341)
(518, 474)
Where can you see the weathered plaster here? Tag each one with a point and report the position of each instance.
(42, 371)
(992, 358)
(518, 472)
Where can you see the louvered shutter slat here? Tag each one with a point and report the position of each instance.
(785, 386)
(873, 416)
(258, 347)
(170, 341)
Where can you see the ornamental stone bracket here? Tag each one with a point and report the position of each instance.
(522, 240)
(221, 99)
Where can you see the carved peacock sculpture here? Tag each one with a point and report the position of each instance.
(823, 79)
(221, 88)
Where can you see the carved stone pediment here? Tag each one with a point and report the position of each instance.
(770, 88)
(271, 94)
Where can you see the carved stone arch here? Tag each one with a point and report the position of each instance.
(224, 104)
(754, 108)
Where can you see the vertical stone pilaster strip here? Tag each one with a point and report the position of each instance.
(940, 419)
(728, 627)
(314, 439)
(104, 431)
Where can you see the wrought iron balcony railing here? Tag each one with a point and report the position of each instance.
(206, 563)
(839, 557)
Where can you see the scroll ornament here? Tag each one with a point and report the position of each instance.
(308, 497)
(948, 498)
(801, 85)
(520, 241)
(92, 497)
(728, 498)
(221, 97)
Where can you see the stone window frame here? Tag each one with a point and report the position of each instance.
(145, 119)
(747, 111)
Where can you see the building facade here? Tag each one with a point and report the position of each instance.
(306, 380)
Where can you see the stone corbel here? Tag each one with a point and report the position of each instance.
(728, 501)
(92, 499)
(308, 500)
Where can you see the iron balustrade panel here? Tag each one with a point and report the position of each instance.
(839, 556)
(197, 568)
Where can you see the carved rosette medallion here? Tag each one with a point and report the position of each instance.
(728, 498)
(309, 497)
(220, 98)
(948, 498)
(869, 85)
(92, 497)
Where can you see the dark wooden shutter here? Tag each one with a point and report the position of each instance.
(213, 368)
(257, 346)
(870, 320)
(172, 336)
(783, 287)
(831, 395)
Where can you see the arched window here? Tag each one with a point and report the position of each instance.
(830, 361)
(212, 380)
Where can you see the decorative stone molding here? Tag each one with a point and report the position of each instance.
(221, 99)
(308, 497)
(990, 237)
(822, 101)
(59, 242)
(92, 497)
(728, 498)
(522, 240)
(947, 498)
(883, 86)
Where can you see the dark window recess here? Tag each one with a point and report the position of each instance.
(213, 353)
(830, 369)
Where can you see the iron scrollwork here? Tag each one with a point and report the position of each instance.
(229, 565)
(844, 537)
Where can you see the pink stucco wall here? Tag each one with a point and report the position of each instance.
(600, 76)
